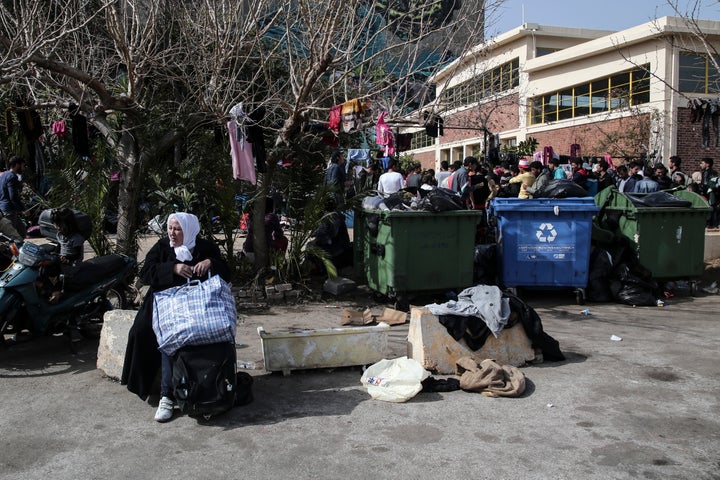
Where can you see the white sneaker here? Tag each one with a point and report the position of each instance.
(165, 410)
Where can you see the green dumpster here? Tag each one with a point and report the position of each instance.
(669, 240)
(399, 252)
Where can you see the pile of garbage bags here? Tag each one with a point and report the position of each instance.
(435, 200)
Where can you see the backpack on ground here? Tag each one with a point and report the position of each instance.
(204, 379)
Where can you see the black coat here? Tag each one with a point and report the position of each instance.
(142, 357)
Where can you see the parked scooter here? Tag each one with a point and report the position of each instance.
(98, 285)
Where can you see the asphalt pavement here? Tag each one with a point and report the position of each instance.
(643, 407)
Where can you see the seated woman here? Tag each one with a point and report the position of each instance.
(170, 262)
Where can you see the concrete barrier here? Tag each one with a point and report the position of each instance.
(712, 245)
(436, 350)
(113, 341)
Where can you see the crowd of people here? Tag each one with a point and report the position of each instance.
(479, 182)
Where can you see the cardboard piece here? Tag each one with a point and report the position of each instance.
(392, 317)
(356, 317)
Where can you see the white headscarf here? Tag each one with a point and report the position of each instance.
(190, 228)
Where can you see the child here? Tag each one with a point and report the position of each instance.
(68, 236)
(71, 246)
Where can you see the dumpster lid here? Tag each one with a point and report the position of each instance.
(584, 204)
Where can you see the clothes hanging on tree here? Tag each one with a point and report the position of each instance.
(256, 136)
(352, 112)
(384, 135)
(241, 150)
(403, 142)
(433, 125)
(241, 154)
(707, 112)
(335, 118)
(79, 131)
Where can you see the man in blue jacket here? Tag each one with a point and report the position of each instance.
(10, 202)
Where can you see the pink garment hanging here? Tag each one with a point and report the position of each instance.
(241, 154)
(384, 135)
(335, 114)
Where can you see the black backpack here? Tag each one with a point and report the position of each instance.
(204, 379)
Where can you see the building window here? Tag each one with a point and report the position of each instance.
(617, 91)
(492, 82)
(540, 51)
(698, 74)
(421, 139)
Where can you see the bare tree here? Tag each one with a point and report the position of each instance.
(147, 73)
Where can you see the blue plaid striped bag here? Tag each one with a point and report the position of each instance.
(197, 313)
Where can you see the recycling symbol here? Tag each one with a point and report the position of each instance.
(546, 233)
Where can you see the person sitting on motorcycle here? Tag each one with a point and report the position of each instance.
(72, 243)
(170, 262)
(72, 246)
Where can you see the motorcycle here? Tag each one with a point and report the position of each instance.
(96, 286)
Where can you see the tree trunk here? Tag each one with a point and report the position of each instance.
(262, 255)
(129, 156)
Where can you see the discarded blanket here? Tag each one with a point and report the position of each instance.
(490, 378)
(483, 301)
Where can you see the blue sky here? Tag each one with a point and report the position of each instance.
(603, 14)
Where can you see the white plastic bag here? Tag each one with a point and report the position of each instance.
(396, 380)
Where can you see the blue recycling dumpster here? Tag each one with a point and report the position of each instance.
(544, 242)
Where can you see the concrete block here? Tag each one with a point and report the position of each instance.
(292, 295)
(269, 289)
(324, 348)
(436, 350)
(339, 285)
(283, 287)
(275, 297)
(712, 245)
(113, 341)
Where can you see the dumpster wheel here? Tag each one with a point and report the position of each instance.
(693, 288)
(580, 296)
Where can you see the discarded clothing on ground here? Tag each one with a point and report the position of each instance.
(483, 301)
(432, 384)
(490, 378)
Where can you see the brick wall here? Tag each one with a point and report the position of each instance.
(689, 142)
(501, 115)
(594, 138)
(426, 159)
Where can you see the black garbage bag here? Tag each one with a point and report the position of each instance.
(399, 200)
(561, 189)
(441, 200)
(485, 264)
(632, 289)
(658, 199)
(601, 270)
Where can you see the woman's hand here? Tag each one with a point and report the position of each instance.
(182, 270)
(201, 268)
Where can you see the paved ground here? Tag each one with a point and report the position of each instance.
(644, 407)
